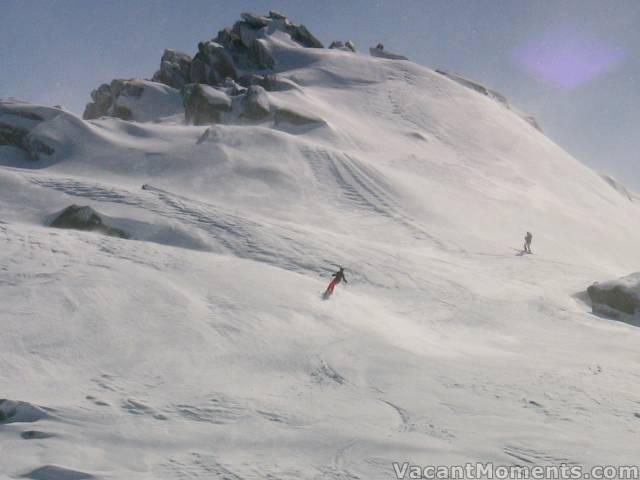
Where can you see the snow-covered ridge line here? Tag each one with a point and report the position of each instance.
(491, 94)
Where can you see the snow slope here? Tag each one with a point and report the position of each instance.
(201, 348)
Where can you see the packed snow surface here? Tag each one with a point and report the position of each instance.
(201, 348)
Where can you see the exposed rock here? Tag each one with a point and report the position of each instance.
(239, 50)
(102, 99)
(300, 34)
(256, 21)
(228, 38)
(175, 69)
(498, 97)
(204, 104)
(122, 112)
(247, 33)
(106, 96)
(24, 140)
(18, 127)
(622, 295)
(218, 64)
(54, 472)
(274, 83)
(255, 103)
(199, 70)
(271, 83)
(277, 15)
(13, 411)
(379, 51)
(347, 47)
(36, 435)
(259, 57)
(284, 115)
(251, 79)
(620, 188)
(134, 100)
(85, 218)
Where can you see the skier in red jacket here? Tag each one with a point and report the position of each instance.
(337, 278)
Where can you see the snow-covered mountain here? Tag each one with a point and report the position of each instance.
(200, 347)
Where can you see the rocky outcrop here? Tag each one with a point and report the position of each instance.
(22, 412)
(204, 105)
(379, 51)
(287, 116)
(255, 21)
(347, 46)
(487, 92)
(620, 188)
(621, 295)
(238, 58)
(17, 125)
(85, 218)
(271, 83)
(212, 64)
(255, 103)
(137, 100)
(22, 139)
(300, 34)
(175, 69)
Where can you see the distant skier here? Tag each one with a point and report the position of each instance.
(527, 242)
(337, 278)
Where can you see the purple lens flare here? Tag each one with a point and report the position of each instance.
(567, 60)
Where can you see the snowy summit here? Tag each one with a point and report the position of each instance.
(163, 260)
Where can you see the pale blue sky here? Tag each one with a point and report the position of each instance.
(544, 55)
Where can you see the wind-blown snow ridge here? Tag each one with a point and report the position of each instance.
(200, 347)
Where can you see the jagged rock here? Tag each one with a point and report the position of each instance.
(379, 51)
(101, 97)
(235, 51)
(204, 104)
(348, 46)
(284, 115)
(105, 98)
(246, 33)
(255, 103)
(175, 69)
(277, 15)
(134, 100)
(228, 38)
(218, 63)
(256, 21)
(622, 295)
(300, 34)
(259, 57)
(198, 70)
(271, 83)
(85, 218)
(24, 140)
(129, 88)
